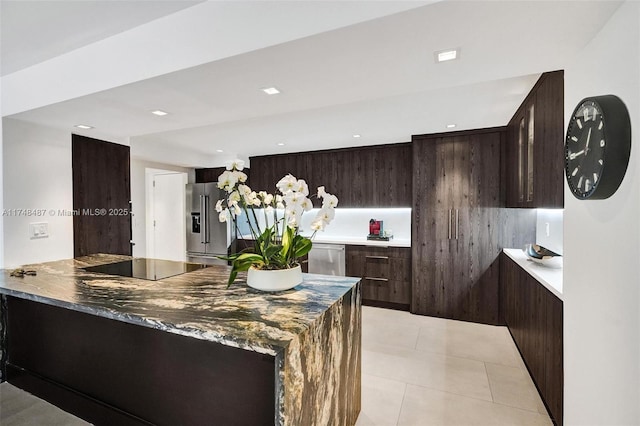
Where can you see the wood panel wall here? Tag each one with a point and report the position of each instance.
(372, 176)
(101, 195)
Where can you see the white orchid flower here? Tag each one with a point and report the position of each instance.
(240, 177)
(219, 207)
(268, 199)
(287, 184)
(329, 201)
(254, 199)
(302, 187)
(244, 190)
(227, 181)
(293, 214)
(326, 215)
(236, 210)
(306, 204)
(321, 192)
(293, 199)
(280, 205)
(234, 198)
(222, 217)
(318, 225)
(268, 209)
(236, 164)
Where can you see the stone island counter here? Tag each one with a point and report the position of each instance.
(184, 349)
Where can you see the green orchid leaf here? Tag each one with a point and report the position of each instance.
(242, 263)
(287, 240)
(302, 246)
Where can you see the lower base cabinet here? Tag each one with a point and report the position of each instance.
(534, 317)
(385, 273)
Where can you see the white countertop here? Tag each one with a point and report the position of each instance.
(362, 241)
(549, 274)
(356, 241)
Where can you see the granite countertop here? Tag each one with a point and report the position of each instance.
(548, 274)
(196, 304)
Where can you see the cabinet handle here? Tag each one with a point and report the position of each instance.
(449, 224)
(376, 279)
(376, 257)
(457, 223)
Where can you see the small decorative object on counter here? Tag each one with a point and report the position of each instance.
(278, 245)
(539, 254)
(20, 273)
(376, 231)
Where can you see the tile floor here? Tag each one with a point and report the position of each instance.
(420, 370)
(415, 371)
(19, 408)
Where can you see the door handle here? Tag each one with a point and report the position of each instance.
(206, 218)
(449, 224)
(457, 223)
(376, 279)
(202, 222)
(376, 257)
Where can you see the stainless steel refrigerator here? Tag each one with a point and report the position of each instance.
(206, 236)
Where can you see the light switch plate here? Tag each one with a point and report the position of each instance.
(39, 230)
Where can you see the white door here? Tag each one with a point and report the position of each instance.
(169, 233)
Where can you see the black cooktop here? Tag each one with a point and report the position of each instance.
(146, 269)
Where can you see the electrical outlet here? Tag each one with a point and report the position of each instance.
(39, 230)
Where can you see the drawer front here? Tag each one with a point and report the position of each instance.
(397, 252)
(385, 272)
(384, 290)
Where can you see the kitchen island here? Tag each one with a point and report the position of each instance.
(183, 350)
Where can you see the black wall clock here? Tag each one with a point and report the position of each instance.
(597, 148)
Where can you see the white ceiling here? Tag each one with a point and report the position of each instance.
(377, 78)
(33, 31)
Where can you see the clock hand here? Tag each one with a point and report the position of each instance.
(573, 155)
(586, 148)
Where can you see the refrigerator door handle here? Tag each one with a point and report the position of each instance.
(202, 222)
(205, 210)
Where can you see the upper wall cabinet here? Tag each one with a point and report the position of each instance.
(373, 176)
(534, 151)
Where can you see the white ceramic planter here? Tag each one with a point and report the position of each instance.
(274, 280)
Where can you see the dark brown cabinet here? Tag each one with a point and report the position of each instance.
(455, 224)
(534, 317)
(534, 151)
(373, 176)
(385, 273)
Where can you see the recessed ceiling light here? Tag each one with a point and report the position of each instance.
(219, 150)
(83, 126)
(280, 143)
(356, 136)
(450, 126)
(159, 112)
(446, 55)
(270, 90)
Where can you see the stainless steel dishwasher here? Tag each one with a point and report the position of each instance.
(327, 259)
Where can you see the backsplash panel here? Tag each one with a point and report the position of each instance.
(549, 229)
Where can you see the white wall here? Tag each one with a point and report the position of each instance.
(1, 188)
(36, 175)
(602, 247)
(138, 198)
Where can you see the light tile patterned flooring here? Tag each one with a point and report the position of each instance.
(416, 371)
(419, 370)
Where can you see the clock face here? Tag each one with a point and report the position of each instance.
(585, 149)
